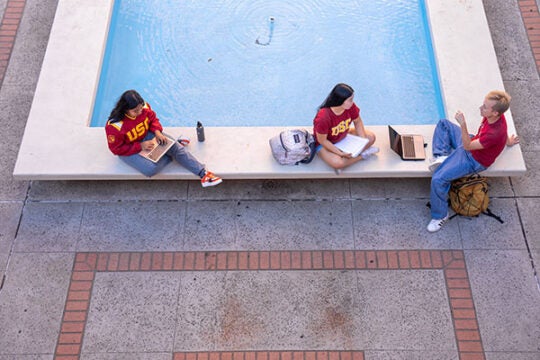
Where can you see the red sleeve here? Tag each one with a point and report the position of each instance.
(321, 123)
(153, 121)
(117, 144)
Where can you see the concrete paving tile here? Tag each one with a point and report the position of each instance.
(32, 37)
(406, 310)
(529, 209)
(512, 356)
(529, 184)
(411, 355)
(126, 356)
(269, 225)
(269, 310)
(510, 40)
(274, 190)
(506, 297)
(409, 188)
(131, 312)
(108, 190)
(484, 232)
(500, 187)
(399, 224)
(49, 227)
(10, 213)
(132, 226)
(524, 108)
(32, 302)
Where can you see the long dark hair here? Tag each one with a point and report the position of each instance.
(128, 100)
(337, 96)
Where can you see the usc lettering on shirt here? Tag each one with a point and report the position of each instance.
(138, 131)
(341, 127)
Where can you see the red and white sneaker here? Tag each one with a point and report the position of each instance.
(184, 141)
(209, 179)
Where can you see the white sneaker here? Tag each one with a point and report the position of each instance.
(369, 151)
(436, 224)
(435, 162)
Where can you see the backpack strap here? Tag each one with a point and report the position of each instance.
(490, 214)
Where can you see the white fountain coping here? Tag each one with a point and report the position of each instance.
(58, 144)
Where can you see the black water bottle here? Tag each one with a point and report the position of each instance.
(200, 131)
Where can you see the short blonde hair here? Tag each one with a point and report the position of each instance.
(502, 100)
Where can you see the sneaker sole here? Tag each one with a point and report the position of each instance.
(212, 183)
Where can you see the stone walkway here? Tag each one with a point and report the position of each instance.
(265, 270)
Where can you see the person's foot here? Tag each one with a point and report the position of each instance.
(338, 171)
(369, 152)
(209, 179)
(436, 224)
(435, 162)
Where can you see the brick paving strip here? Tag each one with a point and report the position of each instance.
(8, 32)
(531, 20)
(451, 262)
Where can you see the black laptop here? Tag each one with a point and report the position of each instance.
(408, 146)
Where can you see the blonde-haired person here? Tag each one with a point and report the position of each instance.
(456, 153)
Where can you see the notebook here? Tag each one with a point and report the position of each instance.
(352, 144)
(408, 146)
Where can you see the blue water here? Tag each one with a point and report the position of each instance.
(270, 62)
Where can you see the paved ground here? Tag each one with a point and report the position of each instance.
(265, 270)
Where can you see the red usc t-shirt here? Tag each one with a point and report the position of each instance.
(493, 138)
(334, 126)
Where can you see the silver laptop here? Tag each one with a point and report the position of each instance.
(408, 146)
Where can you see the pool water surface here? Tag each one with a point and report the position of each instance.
(270, 63)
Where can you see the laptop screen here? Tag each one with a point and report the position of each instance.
(395, 140)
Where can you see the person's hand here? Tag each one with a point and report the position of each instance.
(512, 140)
(460, 118)
(160, 138)
(346, 155)
(147, 145)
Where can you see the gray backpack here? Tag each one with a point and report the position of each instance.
(292, 147)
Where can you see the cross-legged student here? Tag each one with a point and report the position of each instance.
(130, 128)
(457, 153)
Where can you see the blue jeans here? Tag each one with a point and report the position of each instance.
(447, 142)
(176, 152)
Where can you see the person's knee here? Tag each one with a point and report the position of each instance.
(149, 172)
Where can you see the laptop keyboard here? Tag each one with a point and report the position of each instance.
(408, 146)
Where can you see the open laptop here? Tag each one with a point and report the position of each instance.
(409, 147)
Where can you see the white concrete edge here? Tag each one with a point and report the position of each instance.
(59, 145)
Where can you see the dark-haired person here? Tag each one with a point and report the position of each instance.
(333, 122)
(130, 127)
(457, 154)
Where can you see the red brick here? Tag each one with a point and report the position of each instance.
(262, 355)
(472, 356)
(66, 357)
(74, 316)
(457, 264)
(461, 304)
(458, 283)
(455, 274)
(226, 356)
(202, 356)
(464, 314)
(73, 327)
(123, 263)
(414, 258)
(307, 264)
(298, 355)
(72, 349)
(250, 355)
(79, 295)
(328, 260)
(273, 355)
(296, 260)
(135, 262)
(145, 262)
(80, 285)
(232, 260)
(210, 261)
(76, 305)
(425, 259)
(339, 260)
(213, 356)
(382, 260)
(167, 261)
(70, 338)
(436, 259)
(103, 258)
(310, 355)
(470, 335)
(178, 261)
(333, 355)
(404, 260)
(82, 276)
(286, 355)
(345, 355)
(275, 260)
(179, 356)
(243, 260)
(371, 259)
(459, 293)
(357, 355)
(113, 262)
(264, 260)
(322, 355)
(349, 260)
(285, 260)
(219, 261)
(238, 355)
(199, 260)
(360, 257)
(191, 356)
(253, 261)
(465, 324)
(393, 262)
(317, 260)
(157, 261)
(189, 260)
(470, 346)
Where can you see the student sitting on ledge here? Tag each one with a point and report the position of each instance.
(457, 154)
(333, 122)
(130, 128)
